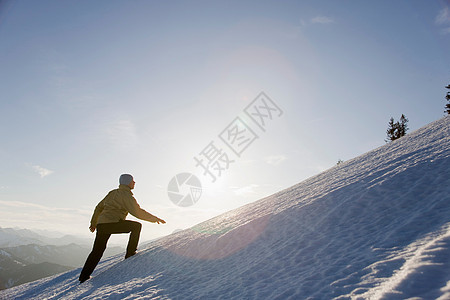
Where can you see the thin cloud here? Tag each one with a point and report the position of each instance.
(246, 190)
(275, 160)
(27, 205)
(443, 16)
(36, 216)
(43, 172)
(443, 19)
(322, 20)
(123, 133)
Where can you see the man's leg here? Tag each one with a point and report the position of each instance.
(101, 239)
(134, 238)
(126, 227)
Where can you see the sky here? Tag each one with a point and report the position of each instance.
(94, 89)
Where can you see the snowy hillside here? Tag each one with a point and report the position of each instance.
(377, 226)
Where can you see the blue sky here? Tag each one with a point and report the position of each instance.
(93, 89)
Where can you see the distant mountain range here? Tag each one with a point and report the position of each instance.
(27, 256)
(11, 237)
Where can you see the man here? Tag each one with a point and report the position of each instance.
(109, 218)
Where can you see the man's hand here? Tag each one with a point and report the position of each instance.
(92, 228)
(158, 220)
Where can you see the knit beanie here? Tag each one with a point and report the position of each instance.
(125, 179)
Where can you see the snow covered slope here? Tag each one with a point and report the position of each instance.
(375, 227)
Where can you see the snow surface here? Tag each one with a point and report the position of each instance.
(375, 227)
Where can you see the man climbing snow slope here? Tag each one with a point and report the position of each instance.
(109, 218)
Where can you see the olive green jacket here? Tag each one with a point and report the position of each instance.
(116, 206)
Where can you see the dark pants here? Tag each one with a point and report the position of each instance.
(104, 232)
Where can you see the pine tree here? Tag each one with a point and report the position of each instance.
(447, 106)
(402, 126)
(397, 129)
(390, 132)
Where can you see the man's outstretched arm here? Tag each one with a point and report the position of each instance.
(135, 210)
